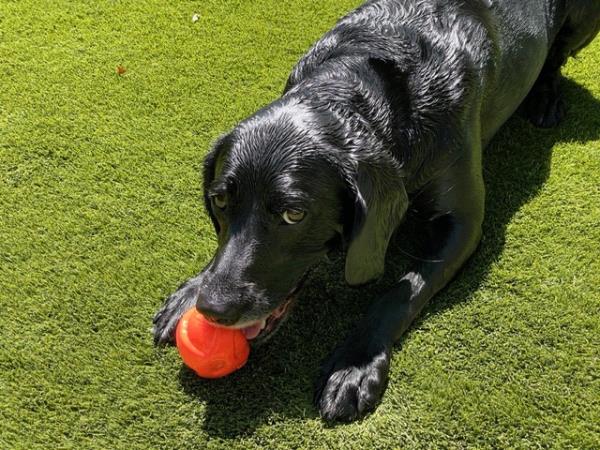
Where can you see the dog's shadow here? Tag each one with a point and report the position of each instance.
(278, 379)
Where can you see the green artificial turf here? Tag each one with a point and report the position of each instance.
(101, 218)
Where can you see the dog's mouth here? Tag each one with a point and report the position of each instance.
(260, 329)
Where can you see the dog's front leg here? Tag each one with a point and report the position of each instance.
(354, 377)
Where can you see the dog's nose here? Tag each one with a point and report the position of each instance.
(222, 313)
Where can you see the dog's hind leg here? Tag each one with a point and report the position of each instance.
(544, 105)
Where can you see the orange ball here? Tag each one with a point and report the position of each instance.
(209, 350)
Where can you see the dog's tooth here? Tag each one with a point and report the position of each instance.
(263, 324)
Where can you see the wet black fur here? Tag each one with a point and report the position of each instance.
(391, 108)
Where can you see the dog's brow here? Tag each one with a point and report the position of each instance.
(289, 199)
(218, 187)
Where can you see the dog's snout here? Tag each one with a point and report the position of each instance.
(222, 313)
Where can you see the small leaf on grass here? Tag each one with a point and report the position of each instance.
(120, 70)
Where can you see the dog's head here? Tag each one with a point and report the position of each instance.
(283, 189)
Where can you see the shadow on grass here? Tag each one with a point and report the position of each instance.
(278, 379)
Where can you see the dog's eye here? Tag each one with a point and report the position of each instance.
(220, 201)
(292, 216)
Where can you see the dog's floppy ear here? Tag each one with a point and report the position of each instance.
(380, 204)
(209, 172)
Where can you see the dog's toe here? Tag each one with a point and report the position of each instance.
(551, 115)
(166, 319)
(546, 112)
(163, 329)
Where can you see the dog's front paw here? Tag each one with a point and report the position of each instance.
(352, 380)
(166, 319)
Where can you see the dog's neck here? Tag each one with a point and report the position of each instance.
(359, 98)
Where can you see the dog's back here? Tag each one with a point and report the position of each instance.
(501, 45)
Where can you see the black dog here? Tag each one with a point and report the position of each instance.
(391, 108)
